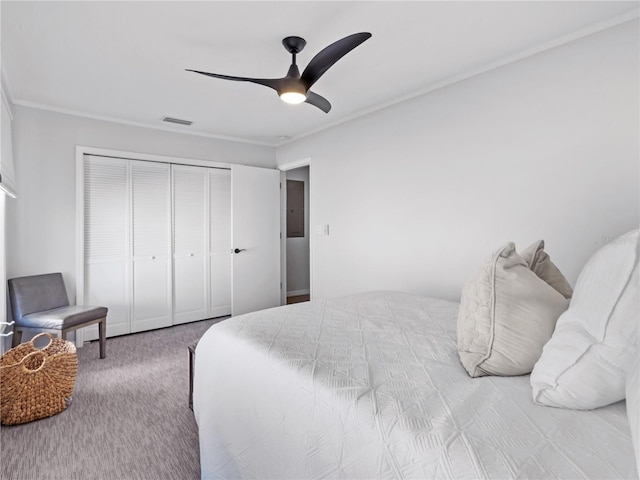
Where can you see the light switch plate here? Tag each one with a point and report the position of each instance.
(322, 230)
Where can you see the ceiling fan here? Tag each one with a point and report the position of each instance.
(295, 88)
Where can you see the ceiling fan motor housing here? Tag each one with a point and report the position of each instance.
(292, 84)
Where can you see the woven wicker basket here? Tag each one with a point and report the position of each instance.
(36, 383)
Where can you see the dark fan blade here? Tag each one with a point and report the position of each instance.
(330, 55)
(267, 82)
(318, 101)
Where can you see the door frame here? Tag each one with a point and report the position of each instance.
(284, 168)
(81, 151)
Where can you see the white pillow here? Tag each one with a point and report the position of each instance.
(633, 403)
(583, 365)
(507, 313)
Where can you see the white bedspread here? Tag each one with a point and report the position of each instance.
(371, 386)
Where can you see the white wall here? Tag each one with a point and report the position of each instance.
(298, 275)
(418, 194)
(6, 166)
(41, 221)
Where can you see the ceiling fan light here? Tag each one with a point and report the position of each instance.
(293, 97)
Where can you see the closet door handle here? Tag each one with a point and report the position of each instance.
(238, 250)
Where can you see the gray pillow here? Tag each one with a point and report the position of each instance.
(507, 313)
(540, 263)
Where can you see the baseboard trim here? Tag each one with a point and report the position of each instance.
(295, 293)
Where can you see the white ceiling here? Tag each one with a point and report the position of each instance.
(125, 61)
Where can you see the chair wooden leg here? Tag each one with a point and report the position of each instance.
(102, 333)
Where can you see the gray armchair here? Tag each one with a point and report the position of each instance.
(40, 303)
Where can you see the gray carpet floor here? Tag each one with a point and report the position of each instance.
(129, 418)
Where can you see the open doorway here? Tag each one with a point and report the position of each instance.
(298, 278)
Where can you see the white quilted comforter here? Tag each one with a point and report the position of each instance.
(371, 386)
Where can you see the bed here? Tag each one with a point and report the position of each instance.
(371, 386)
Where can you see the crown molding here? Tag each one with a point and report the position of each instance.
(105, 118)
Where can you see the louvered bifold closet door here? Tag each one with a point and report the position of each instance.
(151, 224)
(190, 225)
(220, 242)
(106, 241)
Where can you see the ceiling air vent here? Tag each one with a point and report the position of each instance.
(176, 120)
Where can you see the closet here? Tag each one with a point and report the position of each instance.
(151, 248)
(157, 242)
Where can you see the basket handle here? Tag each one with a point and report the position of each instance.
(24, 360)
(46, 334)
